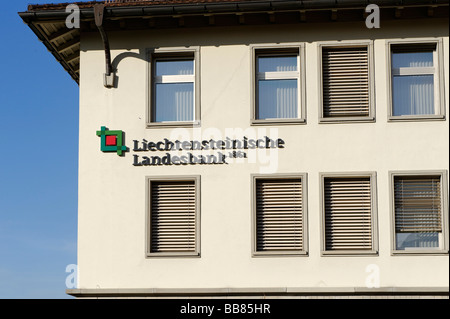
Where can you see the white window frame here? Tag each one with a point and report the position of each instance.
(174, 54)
(276, 50)
(437, 70)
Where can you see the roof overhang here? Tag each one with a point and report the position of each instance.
(48, 21)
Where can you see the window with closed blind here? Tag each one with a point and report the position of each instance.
(173, 216)
(347, 82)
(279, 216)
(419, 212)
(348, 214)
(416, 80)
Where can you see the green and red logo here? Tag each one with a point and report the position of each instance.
(111, 141)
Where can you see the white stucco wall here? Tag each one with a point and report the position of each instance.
(112, 198)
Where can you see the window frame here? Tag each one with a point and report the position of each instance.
(371, 78)
(286, 253)
(444, 211)
(177, 53)
(181, 178)
(279, 50)
(374, 214)
(439, 87)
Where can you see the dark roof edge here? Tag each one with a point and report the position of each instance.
(222, 7)
(34, 18)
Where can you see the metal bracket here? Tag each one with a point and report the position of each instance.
(108, 79)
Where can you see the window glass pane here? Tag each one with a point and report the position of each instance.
(174, 102)
(414, 59)
(174, 67)
(277, 99)
(417, 240)
(413, 95)
(277, 64)
(418, 215)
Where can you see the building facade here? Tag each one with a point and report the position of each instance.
(259, 148)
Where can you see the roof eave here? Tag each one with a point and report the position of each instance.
(38, 20)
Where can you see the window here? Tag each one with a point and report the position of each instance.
(279, 215)
(415, 81)
(279, 96)
(174, 89)
(173, 217)
(349, 214)
(347, 85)
(418, 213)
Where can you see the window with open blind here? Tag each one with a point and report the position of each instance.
(277, 78)
(278, 84)
(345, 82)
(280, 219)
(173, 217)
(348, 214)
(418, 212)
(414, 80)
(174, 87)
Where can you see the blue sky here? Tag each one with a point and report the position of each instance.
(38, 164)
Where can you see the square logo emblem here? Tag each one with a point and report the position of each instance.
(111, 141)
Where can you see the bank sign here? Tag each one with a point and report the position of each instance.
(188, 152)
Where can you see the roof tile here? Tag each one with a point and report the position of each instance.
(124, 3)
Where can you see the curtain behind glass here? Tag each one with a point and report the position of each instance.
(174, 67)
(174, 102)
(277, 64)
(413, 94)
(412, 59)
(417, 240)
(277, 99)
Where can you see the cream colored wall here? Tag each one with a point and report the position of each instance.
(112, 195)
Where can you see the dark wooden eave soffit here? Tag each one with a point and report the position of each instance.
(48, 21)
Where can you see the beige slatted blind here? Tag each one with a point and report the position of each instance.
(279, 215)
(173, 217)
(345, 82)
(417, 204)
(348, 214)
